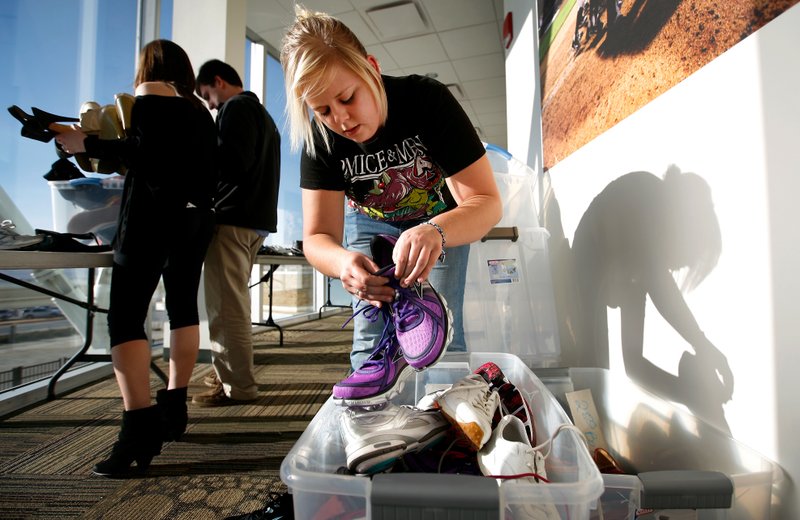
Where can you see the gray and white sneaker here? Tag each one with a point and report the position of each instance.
(470, 405)
(375, 439)
(10, 239)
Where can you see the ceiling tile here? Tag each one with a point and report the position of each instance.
(267, 15)
(356, 23)
(490, 105)
(398, 20)
(334, 7)
(384, 58)
(492, 118)
(443, 70)
(452, 14)
(485, 88)
(416, 51)
(472, 41)
(480, 67)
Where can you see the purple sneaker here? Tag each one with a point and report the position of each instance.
(423, 324)
(380, 378)
(422, 321)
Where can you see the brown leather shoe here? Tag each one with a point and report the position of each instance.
(211, 380)
(216, 397)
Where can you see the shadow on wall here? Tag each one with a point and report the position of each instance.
(636, 235)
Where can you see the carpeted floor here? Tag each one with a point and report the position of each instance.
(227, 463)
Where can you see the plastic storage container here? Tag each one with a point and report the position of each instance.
(645, 433)
(509, 292)
(310, 468)
(87, 205)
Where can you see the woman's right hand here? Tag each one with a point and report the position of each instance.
(358, 279)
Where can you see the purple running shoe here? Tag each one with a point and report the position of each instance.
(422, 321)
(380, 378)
(423, 324)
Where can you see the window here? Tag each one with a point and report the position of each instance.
(56, 54)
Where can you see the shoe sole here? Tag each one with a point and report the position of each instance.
(450, 333)
(382, 397)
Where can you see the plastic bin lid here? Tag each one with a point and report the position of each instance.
(86, 181)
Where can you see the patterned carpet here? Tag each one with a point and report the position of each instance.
(227, 463)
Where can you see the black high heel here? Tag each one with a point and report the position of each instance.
(139, 441)
(63, 170)
(41, 126)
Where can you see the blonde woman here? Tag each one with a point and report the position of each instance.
(388, 156)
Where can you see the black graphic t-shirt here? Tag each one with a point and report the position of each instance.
(399, 175)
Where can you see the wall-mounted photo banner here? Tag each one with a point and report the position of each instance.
(601, 60)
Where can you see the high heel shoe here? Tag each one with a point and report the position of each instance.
(41, 126)
(139, 441)
(63, 170)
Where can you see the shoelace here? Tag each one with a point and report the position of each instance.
(481, 401)
(405, 307)
(370, 313)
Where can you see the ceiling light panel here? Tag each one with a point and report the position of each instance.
(398, 20)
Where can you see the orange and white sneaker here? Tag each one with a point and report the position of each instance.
(470, 405)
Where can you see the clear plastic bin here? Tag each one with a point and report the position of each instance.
(310, 468)
(645, 433)
(87, 205)
(508, 298)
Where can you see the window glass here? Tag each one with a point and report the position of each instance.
(81, 50)
(290, 215)
(56, 55)
(165, 20)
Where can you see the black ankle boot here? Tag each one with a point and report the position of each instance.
(139, 441)
(174, 412)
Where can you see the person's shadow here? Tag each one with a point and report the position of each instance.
(636, 235)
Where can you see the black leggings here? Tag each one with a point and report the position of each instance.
(133, 285)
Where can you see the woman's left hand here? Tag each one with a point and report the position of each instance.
(71, 141)
(415, 254)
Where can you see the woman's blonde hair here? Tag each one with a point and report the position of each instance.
(311, 47)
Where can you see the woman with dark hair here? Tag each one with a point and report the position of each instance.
(163, 230)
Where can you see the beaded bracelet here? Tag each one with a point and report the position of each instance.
(438, 228)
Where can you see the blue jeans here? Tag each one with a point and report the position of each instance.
(447, 278)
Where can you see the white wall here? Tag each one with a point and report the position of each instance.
(736, 123)
(208, 29)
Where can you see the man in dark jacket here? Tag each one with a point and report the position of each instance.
(246, 206)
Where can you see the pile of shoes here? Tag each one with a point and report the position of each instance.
(480, 425)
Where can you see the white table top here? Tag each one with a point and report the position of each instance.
(53, 260)
(281, 260)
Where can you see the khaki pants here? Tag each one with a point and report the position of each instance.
(228, 264)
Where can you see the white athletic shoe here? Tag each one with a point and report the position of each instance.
(470, 405)
(509, 454)
(510, 458)
(375, 439)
